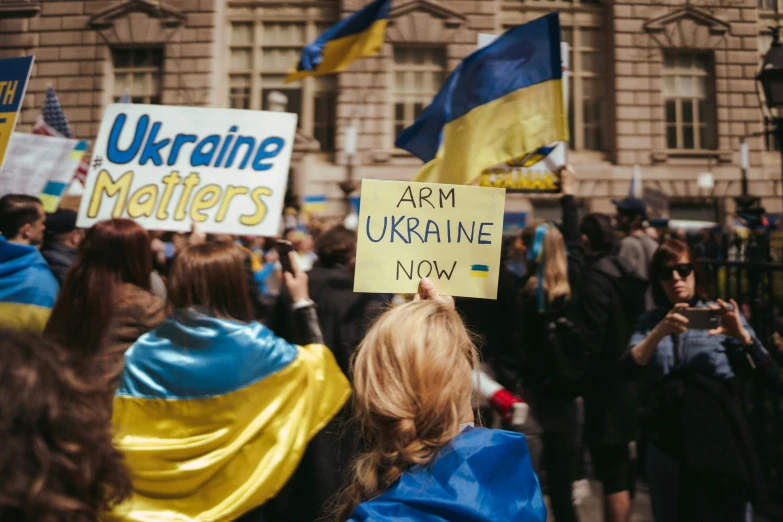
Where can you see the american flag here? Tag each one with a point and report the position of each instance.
(126, 97)
(52, 122)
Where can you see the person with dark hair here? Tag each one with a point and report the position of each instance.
(105, 303)
(610, 303)
(61, 242)
(57, 459)
(636, 248)
(701, 462)
(214, 411)
(27, 287)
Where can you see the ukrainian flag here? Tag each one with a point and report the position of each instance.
(214, 415)
(359, 35)
(502, 101)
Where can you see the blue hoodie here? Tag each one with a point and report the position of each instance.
(482, 475)
(27, 287)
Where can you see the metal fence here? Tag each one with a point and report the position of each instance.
(757, 286)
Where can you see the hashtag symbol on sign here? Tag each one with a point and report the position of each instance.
(97, 162)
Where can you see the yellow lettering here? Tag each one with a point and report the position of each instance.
(137, 207)
(10, 92)
(206, 197)
(2, 86)
(171, 181)
(105, 183)
(191, 181)
(258, 217)
(231, 191)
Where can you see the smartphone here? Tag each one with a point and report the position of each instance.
(701, 318)
(284, 248)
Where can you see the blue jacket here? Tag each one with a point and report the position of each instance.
(27, 287)
(482, 475)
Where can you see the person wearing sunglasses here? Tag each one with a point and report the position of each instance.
(700, 460)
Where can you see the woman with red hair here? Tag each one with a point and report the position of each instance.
(105, 302)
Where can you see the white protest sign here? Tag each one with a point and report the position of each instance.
(167, 167)
(40, 166)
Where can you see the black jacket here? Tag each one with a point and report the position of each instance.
(60, 259)
(610, 302)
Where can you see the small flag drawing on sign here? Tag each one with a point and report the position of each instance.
(479, 271)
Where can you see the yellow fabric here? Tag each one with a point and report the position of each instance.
(24, 316)
(498, 131)
(255, 263)
(338, 54)
(50, 203)
(217, 458)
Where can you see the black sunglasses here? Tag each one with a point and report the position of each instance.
(667, 273)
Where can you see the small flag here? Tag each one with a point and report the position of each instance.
(126, 97)
(359, 35)
(635, 190)
(53, 122)
(479, 271)
(501, 102)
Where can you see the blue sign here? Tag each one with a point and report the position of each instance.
(513, 222)
(14, 75)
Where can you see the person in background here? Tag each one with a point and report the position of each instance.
(61, 242)
(636, 248)
(701, 463)
(214, 411)
(611, 300)
(57, 459)
(27, 287)
(303, 248)
(424, 459)
(105, 303)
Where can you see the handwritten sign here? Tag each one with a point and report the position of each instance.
(167, 167)
(40, 166)
(14, 75)
(449, 233)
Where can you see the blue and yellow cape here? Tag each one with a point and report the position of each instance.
(214, 415)
(482, 475)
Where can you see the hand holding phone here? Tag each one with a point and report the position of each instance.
(284, 248)
(701, 318)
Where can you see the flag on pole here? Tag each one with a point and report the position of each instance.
(502, 101)
(125, 98)
(359, 35)
(636, 189)
(53, 122)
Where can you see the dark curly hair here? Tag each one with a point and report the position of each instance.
(57, 459)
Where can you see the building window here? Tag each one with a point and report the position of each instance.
(140, 71)
(766, 4)
(586, 104)
(419, 73)
(687, 95)
(770, 142)
(261, 56)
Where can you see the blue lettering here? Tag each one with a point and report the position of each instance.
(448, 229)
(263, 154)
(242, 140)
(369, 236)
(428, 232)
(151, 150)
(394, 230)
(179, 141)
(113, 151)
(412, 229)
(482, 233)
(461, 230)
(199, 158)
(226, 145)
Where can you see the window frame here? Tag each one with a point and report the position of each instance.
(150, 95)
(412, 97)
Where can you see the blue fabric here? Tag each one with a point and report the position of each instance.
(709, 355)
(523, 56)
(192, 355)
(25, 277)
(262, 275)
(482, 475)
(361, 20)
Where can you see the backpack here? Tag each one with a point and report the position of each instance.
(566, 357)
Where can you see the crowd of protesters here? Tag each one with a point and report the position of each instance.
(160, 376)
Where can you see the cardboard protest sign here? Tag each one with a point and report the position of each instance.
(167, 167)
(449, 233)
(40, 166)
(14, 75)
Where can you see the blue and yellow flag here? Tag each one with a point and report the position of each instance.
(502, 101)
(213, 416)
(359, 35)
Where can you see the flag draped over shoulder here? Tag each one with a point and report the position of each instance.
(359, 35)
(53, 122)
(502, 101)
(482, 475)
(213, 416)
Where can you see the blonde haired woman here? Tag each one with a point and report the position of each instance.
(553, 261)
(424, 459)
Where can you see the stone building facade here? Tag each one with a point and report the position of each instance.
(664, 84)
